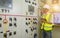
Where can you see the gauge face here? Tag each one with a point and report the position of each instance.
(30, 8)
(5, 3)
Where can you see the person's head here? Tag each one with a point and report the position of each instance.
(45, 8)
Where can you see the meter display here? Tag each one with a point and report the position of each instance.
(5, 3)
(30, 8)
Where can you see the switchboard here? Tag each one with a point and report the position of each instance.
(19, 19)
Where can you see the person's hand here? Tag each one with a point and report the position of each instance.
(49, 22)
(43, 20)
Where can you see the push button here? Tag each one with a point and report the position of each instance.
(10, 33)
(10, 24)
(15, 33)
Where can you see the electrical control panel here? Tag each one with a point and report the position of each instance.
(19, 18)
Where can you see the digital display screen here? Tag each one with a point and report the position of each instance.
(5, 3)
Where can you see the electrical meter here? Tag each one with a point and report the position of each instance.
(5, 3)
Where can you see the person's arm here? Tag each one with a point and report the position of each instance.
(49, 22)
(43, 20)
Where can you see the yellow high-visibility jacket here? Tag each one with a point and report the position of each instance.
(46, 26)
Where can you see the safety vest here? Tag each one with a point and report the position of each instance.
(46, 26)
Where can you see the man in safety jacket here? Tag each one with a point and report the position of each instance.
(46, 24)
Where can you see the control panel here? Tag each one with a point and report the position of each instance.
(19, 18)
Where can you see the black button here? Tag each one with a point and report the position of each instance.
(15, 25)
(26, 18)
(31, 29)
(1, 32)
(5, 35)
(0, 18)
(32, 2)
(26, 23)
(10, 24)
(2, 10)
(10, 19)
(15, 33)
(34, 18)
(26, 31)
(34, 22)
(5, 10)
(15, 19)
(0, 25)
(29, 2)
(29, 19)
(10, 33)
